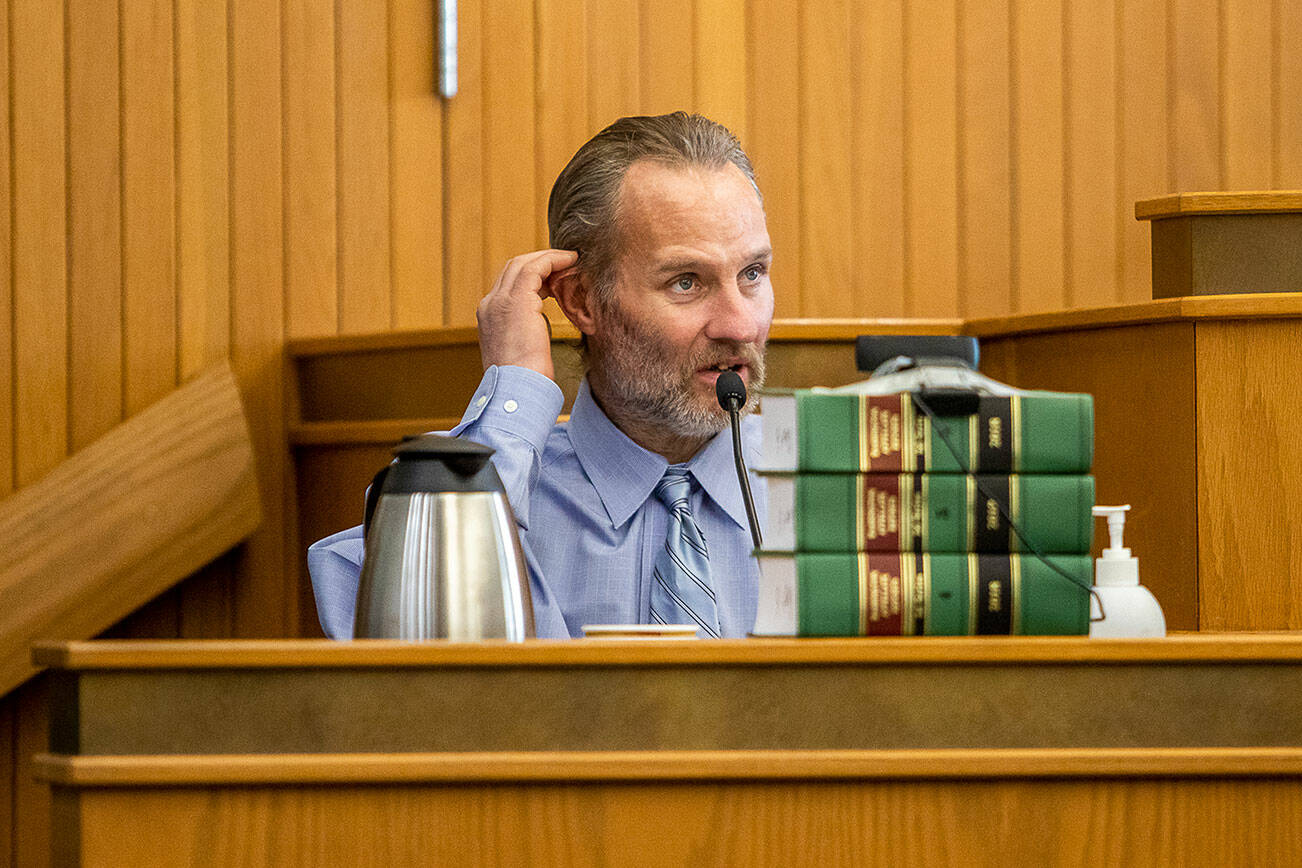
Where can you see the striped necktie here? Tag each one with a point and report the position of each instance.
(681, 593)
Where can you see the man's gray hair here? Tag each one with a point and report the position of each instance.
(582, 212)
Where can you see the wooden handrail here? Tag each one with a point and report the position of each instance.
(114, 525)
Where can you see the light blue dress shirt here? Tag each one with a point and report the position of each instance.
(589, 523)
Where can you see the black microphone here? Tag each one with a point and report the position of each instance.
(731, 392)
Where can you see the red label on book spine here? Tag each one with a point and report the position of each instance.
(881, 513)
(881, 434)
(882, 595)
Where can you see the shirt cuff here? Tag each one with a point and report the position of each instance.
(519, 401)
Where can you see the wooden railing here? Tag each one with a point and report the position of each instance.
(121, 521)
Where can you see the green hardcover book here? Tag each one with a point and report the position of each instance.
(903, 594)
(927, 512)
(819, 430)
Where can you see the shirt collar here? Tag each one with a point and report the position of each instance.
(624, 474)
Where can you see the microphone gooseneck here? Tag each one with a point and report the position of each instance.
(731, 392)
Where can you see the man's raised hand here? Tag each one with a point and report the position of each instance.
(513, 330)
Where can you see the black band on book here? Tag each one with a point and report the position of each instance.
(994, 595)
(991, 507)
(995, 435)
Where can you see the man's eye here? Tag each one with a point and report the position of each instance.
(685, 284)
(754, 273)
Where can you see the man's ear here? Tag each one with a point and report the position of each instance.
(574, 295)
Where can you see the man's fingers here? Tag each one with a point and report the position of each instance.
(538, 267)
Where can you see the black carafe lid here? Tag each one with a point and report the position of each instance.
(432, 462)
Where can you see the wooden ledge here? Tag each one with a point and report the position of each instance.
(614, 766)
(804, 330)
(324, 653)
(1238, 202)
(1205, 308)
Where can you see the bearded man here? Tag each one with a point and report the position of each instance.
(630, 512)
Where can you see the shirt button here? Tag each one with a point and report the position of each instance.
(510, 406)
(481, 400)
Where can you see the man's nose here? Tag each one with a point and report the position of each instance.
(735, 315)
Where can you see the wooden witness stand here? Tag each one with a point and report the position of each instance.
(1186, 750)
(926, 752)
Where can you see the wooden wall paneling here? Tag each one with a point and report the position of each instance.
(148, 203)
(1090, 201)
(8, 704)
(877, 152)
(773, 135)
(7, 462)
(416, 166)
(827, 273)
(985, 242)
(1247, 377)
(203, 254)
(719, 62)
(511, 223)
(1194, 101)
(562, 99)
(149, 240)
(1142, 159)
(39, 237)
(362, 70)
(31, 798)
(668, 31)
(931, 158)
(1247, 95)
(614, 61)
(262, 604)
(312, 159)
(464, 280)
(202, 185)
(94, 223)
(1039, 259)
(1287, 87)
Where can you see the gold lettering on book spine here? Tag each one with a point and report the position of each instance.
(867, 416)
(969, 513)
(1015, 571)
(1015, 420)
(1014, 511)
(865, 594)
(922, 441)
(922, 507)
(973, 597)
(973, 441)
(908, 594)
(862, 515)
(922, 596)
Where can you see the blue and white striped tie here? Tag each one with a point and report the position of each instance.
(681, 593)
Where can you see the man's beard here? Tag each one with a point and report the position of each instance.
(653, 385)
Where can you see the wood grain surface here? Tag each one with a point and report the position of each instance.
(1219, 202)
(1194, 821)
(1249, 424)
(257, 654)
(83, 553)
(572, 766)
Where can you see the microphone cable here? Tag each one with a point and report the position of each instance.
(942, 428)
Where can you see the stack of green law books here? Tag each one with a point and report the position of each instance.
(872, 528)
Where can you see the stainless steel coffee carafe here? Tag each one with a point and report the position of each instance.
(443, 558)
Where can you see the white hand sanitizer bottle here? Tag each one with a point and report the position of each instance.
(1130, 610)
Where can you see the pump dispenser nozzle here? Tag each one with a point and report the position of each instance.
(1131, 609)
(1116, 516)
